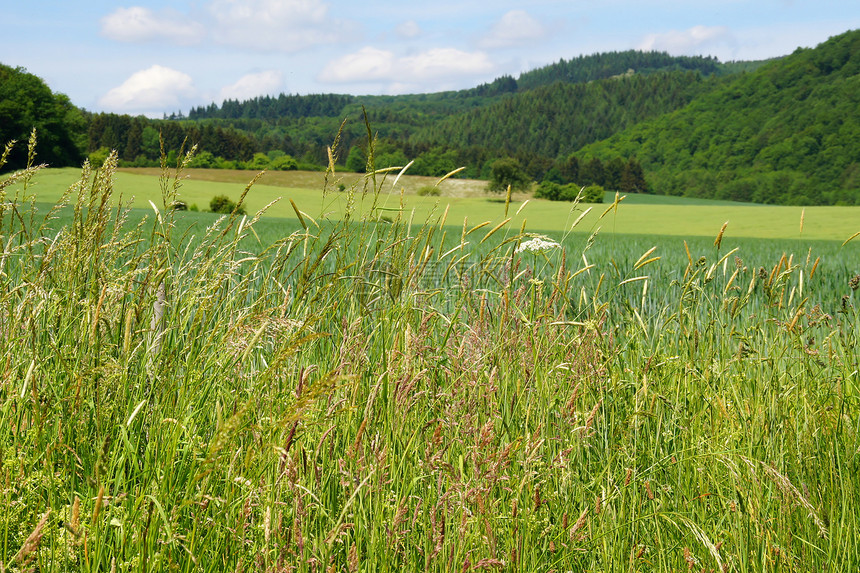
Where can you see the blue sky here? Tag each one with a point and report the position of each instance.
(152, 57)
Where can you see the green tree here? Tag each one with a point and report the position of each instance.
(356, 160)
(613, 172)
(150, 144)
(592, 172)
(99, 156)
(506, 172)
(633, 178)
(27, 103)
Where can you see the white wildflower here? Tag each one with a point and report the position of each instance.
(537, 245)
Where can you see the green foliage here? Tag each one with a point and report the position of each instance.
(27, 104)
(569, 192)
(508, 172)
(260, 161)
(284, 163)
(589, 68)
(224, 205)
(99, 156)
(781, 131)
(593, 194)
(792, 120)
(556, 120)
(356, 160)
(203, 160)
(547, 189)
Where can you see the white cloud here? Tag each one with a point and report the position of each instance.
(263, 25)
(694, 41)
(151, 92)
(514, 28)
(138, 24)
(408, 30)
(374, 65)
(273, 25)
(253, 85)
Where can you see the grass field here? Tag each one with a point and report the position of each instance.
(187, 392)
(466, 200)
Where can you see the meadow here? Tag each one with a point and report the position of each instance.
(344, 385)
(468, 200)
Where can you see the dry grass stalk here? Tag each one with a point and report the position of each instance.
(28, 550)
(790, 491)
(352, 559)
(718, 241)
(580, 523)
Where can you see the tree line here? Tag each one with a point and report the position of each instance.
(780, 131)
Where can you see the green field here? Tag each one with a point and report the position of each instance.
(649, 215)
(189, 392)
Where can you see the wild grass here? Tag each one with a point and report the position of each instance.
(357, 395)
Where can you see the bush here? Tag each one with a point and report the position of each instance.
(99, 156)
(506, 172)
(203, 160)
(222, 204)
(555, 192)
(593, 194)
(284, 163)
(428, 191)
(569, 192)
(179, 206)
(548, 190)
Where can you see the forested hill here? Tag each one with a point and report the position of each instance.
(582, 69)
(787, 133)
(781, 131)
(558, 119)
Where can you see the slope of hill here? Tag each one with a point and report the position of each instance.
(787, 133)
(778, 131)
(558, 119)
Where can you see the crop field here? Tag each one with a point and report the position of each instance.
(468, 200)
(347, 386)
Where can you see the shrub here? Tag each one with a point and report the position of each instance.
(548, 190)
(428, 191)
(506, 172)
(99, 156)
(568, 192)
(203, 160)
(179, 206)
(284, 163)
(222, 204)
(593, 194)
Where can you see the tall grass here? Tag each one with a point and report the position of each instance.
(411, 395)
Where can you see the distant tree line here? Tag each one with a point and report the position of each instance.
(782, 131)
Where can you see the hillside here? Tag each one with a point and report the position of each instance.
(787, 133)
(777, 131)
(557, 119)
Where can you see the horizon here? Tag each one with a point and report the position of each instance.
(161, 57)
